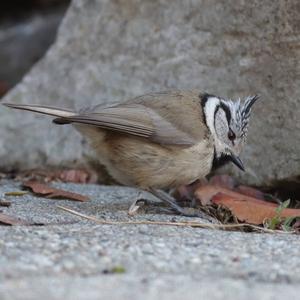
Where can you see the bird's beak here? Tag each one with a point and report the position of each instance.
(237, 161)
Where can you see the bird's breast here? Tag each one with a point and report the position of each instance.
(139, 162)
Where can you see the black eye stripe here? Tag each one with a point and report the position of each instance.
(217, 109)
(227, 112)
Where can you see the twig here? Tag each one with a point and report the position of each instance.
(166, 223)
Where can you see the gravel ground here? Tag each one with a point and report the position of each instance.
(72, 258)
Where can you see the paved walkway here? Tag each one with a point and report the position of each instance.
(72, 258)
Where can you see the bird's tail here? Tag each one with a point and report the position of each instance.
(52, 111)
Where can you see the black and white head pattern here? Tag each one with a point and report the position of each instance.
(228, 122)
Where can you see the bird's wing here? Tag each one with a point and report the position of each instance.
(163, 118)
(144, 118)
(134, 119)
(172, 117)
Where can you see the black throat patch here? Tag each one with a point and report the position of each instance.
(219, 162)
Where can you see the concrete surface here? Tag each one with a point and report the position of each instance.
(71, 258)
(108, 51)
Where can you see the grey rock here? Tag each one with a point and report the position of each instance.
(69, 257)
(108, 51)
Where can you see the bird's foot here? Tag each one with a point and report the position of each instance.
(136, 205)
(184, 211)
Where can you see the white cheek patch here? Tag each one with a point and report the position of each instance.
(209, 111)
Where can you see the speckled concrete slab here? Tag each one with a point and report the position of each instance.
(71, 258)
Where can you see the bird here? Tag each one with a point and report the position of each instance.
(161, 140)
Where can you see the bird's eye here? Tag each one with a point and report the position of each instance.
(231, 135)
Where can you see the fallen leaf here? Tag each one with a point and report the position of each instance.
(16, 193)
(50, 192)
(69, 175)
(9, 220)
(183, 193)
(35, 175)
(5, 203)
(251, 210)
(75, 176)
(296, 226)
(224, 180)
(205, 194)
(250, 191)
(186, 192)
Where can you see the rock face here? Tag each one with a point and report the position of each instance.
(109, 50)
(25, 40)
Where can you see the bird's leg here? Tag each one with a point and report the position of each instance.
(185, 211)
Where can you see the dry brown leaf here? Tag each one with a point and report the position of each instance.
(205, 194)
(5, 203)
(186, 192)
(224, 180)
(50, 192)
(66, 175)
(9, 220)
(77, 176)
(183, 193)
(250, 191)
(296, 226)
(251, 210)
(74, 175)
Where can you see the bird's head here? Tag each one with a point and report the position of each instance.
(227, 121)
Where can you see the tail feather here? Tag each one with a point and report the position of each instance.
(52, 111)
